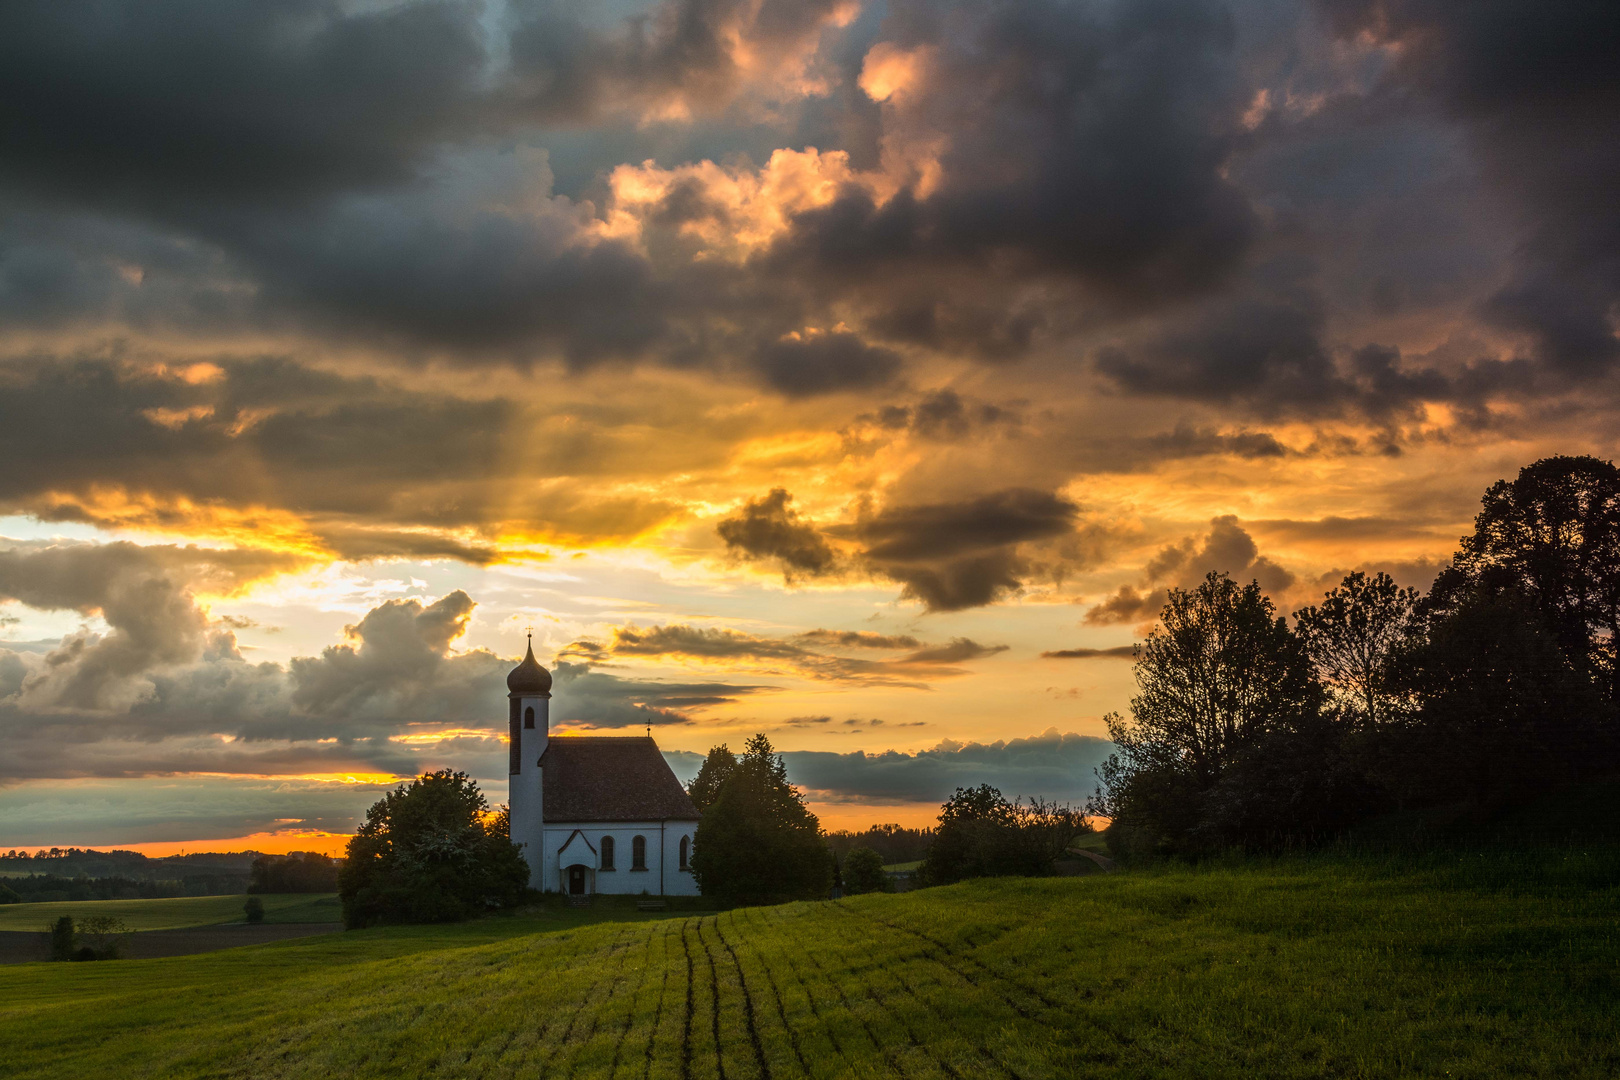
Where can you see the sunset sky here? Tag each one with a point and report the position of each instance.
(860, 373)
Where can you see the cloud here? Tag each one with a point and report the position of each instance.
(949, 556)
(724, 646)
(1116, 652)
(819, 363)
(145, 595)
(1050, 765)
(859, 639)
(1227, 548)
(963, 554)
(598, 700)
(1534, 90)
(769, 528)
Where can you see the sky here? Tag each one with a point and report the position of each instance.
(861, 373)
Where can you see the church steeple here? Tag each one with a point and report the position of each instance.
(529, 678)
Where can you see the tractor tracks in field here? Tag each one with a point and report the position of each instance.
(1046, 1001)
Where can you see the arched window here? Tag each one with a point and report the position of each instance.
(607, 853)
(528, 716)
(686, 847)
(638, 853)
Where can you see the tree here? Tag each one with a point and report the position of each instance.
(430, 851)
(1501, 711)
(1352, 638)
(712, 775)
(1553, 536)
(254, 910)
(62, 938)
(300, 872)
(757, 842)
(982, 834)
(1220, 675)
(863, 872)
(8, 895)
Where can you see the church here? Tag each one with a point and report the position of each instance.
(593, 814)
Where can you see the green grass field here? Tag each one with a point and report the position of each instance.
(1461, 966)
(175, 913)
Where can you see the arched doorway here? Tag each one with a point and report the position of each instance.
(576, 881)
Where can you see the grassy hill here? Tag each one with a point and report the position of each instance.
(175, 913)
(1450, 965)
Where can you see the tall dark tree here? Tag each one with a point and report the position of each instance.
(430, 851)
(1553, 536)
(1501, 712)
(757, 842)
(712, 775)
(1352, 638)
(1220, 676)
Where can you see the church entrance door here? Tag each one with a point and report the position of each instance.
(576, 880)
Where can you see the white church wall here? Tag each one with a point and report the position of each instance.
(663, 876)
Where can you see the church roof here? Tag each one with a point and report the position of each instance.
(611, 778)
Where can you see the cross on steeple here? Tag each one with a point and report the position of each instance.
(529, 633)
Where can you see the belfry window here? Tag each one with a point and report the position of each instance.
(686, 847)
(528, 717)
(607, 853)
(638, 853)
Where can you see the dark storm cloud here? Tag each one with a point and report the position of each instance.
(963, 554)
(769, 528)
(803, 365)
(942, 415)
(949, 556)
(267, 431)
(1534, 85)
(185, 101)
(1050, 765)
(1081, 140)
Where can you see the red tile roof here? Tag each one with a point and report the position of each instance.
(611, 778)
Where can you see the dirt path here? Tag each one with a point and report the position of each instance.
(1101, 860)
(22, 946)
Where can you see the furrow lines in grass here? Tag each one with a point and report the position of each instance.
(748, 1000)
(881, 1045)
(821, 1022)
(734, 1040)
(1047, 1002)
(630, 1013)
(986, 1055)
(619, 951)
(691, 1004)
(776, 995)
(658, 1012)
(586, 1003)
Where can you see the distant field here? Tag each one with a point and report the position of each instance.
(1449, 966)
(172, 914)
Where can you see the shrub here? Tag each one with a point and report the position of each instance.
(102, 937)
(430, 851)
(981, 834)
(863, 872)
(62, 944)
(254, 910)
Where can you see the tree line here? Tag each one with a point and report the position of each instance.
(1498, 685)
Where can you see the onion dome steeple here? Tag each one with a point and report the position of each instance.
(529, 677)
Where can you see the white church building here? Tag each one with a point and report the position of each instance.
(593, 814)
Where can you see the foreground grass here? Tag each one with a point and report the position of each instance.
(1449, 966)
(176, 912)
